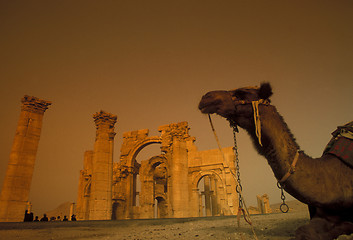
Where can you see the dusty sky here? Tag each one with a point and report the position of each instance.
(149, 62)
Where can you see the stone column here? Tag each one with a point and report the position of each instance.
(102, 174)
(260, 204)
(84, 187)
(266, 200)
(179, 171)
(72, 210)
(215, 211)
(17, 183)
(195, 202)
(207, 193)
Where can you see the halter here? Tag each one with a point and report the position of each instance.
(255, 106)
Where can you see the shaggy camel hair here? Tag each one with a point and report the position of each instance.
(325, 184)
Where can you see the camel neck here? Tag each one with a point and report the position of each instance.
(279, 146)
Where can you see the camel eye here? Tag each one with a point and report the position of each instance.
(239, 94)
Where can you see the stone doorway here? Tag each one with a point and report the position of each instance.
(161, 208)
(207, 188)
(117, 210)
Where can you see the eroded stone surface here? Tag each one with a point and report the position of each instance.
(180, 182)
(17, 182)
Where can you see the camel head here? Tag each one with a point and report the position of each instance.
(235, 104)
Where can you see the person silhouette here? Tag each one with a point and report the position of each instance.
(44, 218)
(30, 217)
(73, 217)
(36, 219)
(65, 219)
(26, 216)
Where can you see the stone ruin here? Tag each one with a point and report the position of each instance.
(180, 182)
(15, 190)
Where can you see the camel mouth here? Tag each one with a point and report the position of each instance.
(203, 109)
(207, 107)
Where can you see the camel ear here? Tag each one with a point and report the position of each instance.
(265, 91)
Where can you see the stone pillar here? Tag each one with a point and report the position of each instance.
(17, 183)
(260, 204)
(215, 211)
(102, 174)
(179, 170)
(84, 187)
(266, 201)
(195, 202)
(207, 193)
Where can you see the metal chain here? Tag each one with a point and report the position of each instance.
(239, 187)
(242, 207)
(283, 207)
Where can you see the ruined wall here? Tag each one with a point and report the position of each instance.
(170, 182)
(220, 190)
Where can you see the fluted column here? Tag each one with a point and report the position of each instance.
(17, 183)
(102, 174)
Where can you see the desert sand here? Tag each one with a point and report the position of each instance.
(270, 226)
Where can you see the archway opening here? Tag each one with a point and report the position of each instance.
(115, 211)
(207, 188)
(146, 152)
(160, 208)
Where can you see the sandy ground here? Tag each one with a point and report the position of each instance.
(270, 226)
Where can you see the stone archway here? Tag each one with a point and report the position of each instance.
(208, 196)
(130, 158)
(133, 143)
(169, 180)
(161, 207)
(117, 210)
(209, 201)
(153, 176)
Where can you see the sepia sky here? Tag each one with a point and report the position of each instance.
(149, 62)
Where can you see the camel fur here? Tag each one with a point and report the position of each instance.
(325, 184)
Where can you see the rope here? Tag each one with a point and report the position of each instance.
(255, 106)
(241, 210)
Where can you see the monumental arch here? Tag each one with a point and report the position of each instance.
(179, 182)
(16, 187)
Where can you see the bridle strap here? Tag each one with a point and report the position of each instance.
(257, 122)
(255, 106)
(291, 169)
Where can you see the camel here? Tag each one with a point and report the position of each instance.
(325, 184)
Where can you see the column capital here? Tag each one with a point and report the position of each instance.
(104, 118)
(33, 104)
